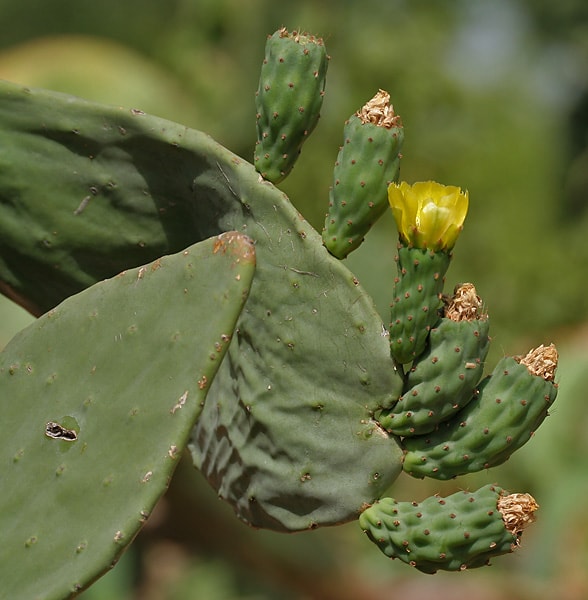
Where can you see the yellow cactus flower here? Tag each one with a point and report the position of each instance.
(428, 214)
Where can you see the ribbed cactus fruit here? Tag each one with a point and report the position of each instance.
(429, 217)
(442, 380)
(509, 405)
(463, 531)
(367, 163)
(417, 300)
(288, 100)
(98, 397)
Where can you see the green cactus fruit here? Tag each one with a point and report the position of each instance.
(98, 397)
(508, 407)
(417, 300)
(463, 531)
(442, 380)
(288, 100)
(368, 161)
(305, 400)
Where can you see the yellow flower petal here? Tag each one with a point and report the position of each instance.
(428, 214)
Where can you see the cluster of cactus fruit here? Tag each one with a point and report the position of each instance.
(292, 403)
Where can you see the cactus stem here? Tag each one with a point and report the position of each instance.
(518, 512)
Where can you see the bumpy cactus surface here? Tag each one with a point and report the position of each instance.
(442, 380)
(174, 184)
(429, 217)
(242, 338)
(368, 161)
(462, 531)
(507, 408)
(288, 100)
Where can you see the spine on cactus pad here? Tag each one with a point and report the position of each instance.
(442, 380)
(288, 100)
(463, 531)
(508, 406)
(368, 161)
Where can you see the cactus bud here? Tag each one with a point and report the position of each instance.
(368, 161)
(288, 100)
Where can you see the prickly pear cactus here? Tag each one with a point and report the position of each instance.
(296, 403)
(288, 100)
(99, 396)
(368, 161)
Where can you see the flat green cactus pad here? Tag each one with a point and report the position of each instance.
(287, 434)
(98, 397)
(89, 190)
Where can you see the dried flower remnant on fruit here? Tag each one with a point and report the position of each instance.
(465, 305)
(379, 111)
(518, 511)
(541, 361)
(300, 37)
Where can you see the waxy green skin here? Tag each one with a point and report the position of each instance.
(368, 161)
(416, 300)
(442, 380)
(159, 186)
(463, 531)
(116, 369)
(509, 405)
(288, 100)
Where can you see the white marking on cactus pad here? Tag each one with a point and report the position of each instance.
(179, 403)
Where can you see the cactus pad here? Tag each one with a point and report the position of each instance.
(463, 531)
(508, 407)
(289, 445)
(135, 186)
(99, 396)
(288, 100)
(368, 161)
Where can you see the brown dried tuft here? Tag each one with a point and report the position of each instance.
(301, 37)
(518, 511)
(465, 305)
(379, 111)
(541, 361)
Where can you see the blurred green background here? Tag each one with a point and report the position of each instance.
(494, 98)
